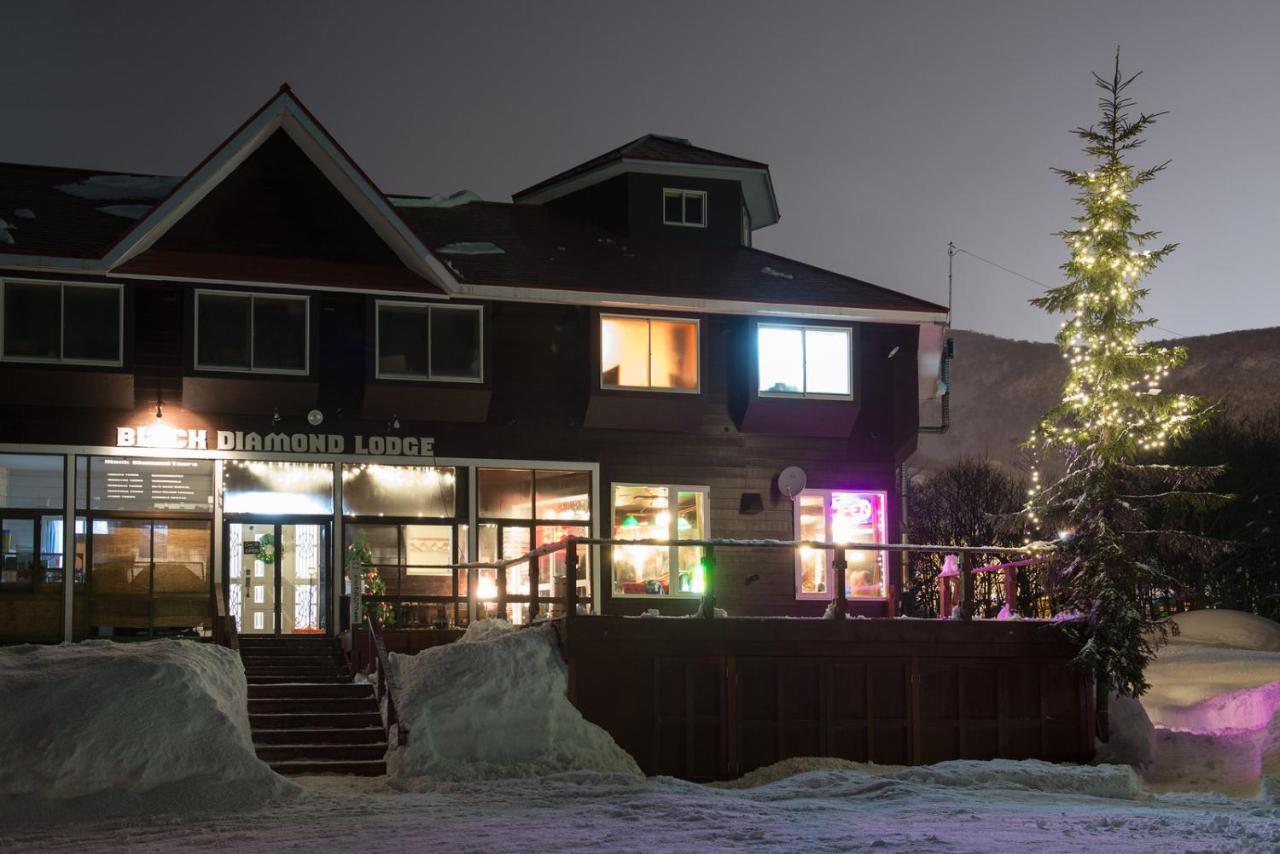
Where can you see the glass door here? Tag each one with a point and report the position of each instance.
(276, 577)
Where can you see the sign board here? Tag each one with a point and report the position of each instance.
(163, 436)
(252, 547)
(142, 484)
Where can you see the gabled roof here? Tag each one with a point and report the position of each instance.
(655, 153)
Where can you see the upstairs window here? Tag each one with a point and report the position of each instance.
(684, 207)
(61, 323)
(805, 361)
(263, 333)
(429, 342)
(659, 353)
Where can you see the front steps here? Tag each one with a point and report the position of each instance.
(307, 715)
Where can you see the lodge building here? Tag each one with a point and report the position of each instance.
(253, 375)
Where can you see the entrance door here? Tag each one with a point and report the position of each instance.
(276, 576)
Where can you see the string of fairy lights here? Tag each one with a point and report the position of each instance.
(1114, 387)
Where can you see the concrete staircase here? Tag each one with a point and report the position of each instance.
(307, 715)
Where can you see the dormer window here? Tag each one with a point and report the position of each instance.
(648, 353)
(684, 207)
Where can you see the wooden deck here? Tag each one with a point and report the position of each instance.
(714, 699)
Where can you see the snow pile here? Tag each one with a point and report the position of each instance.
(123, 729)
(1214, 698)
(453, 200)
(1236, 629)
(1133, 738)
(126, 211)
(1099, 781)
(102, 187)
(494, 705)
(477, 247)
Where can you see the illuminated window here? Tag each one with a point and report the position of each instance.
(71, 324)
(251, 332)
(805, 361)
(658, 512)
(840, 516)
(684, 207)
(648, 353)
(429, 342)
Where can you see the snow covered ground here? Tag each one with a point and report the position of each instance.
(1213, 706)
(842, 808)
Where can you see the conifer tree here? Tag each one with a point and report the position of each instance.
(1116, 506)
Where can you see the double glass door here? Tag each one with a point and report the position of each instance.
(278, 576)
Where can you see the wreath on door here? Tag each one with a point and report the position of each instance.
(267, 548)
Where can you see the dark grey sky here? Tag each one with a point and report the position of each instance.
(891, 127)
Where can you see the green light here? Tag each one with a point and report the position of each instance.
(631, 522)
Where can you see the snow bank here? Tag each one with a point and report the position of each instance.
(828, 777)
(1235, 629)
(124, 729)
(494, 705)
(1133, 738)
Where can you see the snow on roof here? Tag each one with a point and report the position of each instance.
(453, 200)
(126, 211)
(6, 235)
(769, 271)
(106, 187)
(477, 247)
(24, 213)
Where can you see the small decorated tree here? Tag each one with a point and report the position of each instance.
(360, 564)
(1115, 510)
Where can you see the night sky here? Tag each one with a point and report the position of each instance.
(891, 128)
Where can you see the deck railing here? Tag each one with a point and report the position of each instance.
(405, 608)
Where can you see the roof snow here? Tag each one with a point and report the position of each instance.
(479, 247)
(107, 187)
(769, 271)
(5, 235)
(127, 211)
(453, 200)
(24, 213)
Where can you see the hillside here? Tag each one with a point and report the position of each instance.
(1000, 387)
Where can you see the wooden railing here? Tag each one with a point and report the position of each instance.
(567, 602)
(384, 682)
(224, 624)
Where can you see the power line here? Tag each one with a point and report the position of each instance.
(953, 249)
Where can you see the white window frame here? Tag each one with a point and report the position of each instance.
(673, 490)
(828, 555)
(804, 338)
(117, 362)
(252, 369)
(683, 195)
(431, 375)
(697, 348)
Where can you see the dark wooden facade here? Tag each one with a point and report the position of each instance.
(715, 699)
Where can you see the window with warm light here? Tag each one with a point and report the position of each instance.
(658, 512)
(840, 516)
(521, 509)
(805, 361)
(648, 353)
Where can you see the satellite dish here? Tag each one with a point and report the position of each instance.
(791, 481)
(315, 417)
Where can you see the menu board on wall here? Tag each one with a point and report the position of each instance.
(120, 483)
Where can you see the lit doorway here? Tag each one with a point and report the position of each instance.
(277, 576)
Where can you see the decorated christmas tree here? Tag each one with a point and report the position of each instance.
(1114, 513)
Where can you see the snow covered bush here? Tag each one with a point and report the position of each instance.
(494, 705)
(107, 729)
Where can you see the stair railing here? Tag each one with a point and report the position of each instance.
(224, 624)
(384, 683)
